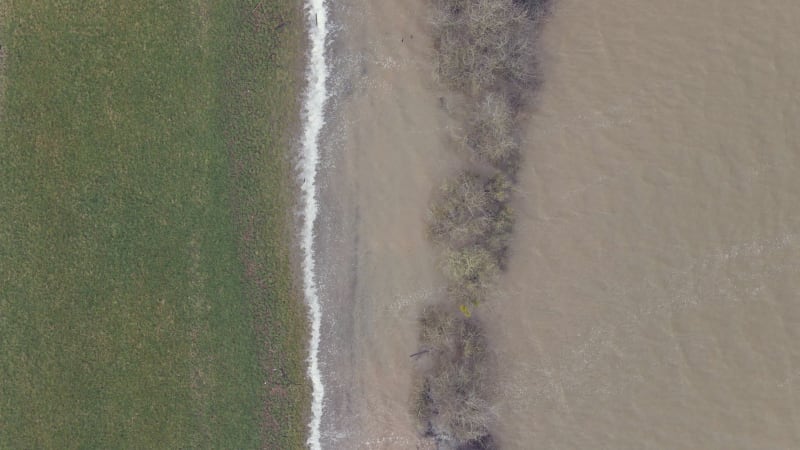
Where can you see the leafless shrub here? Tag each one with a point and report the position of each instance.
(499, 188)
(497, 239)
(490, 133)
(437, 329)
(486, 49)
(473, 268)
(458, 214)
(471, 220)
(452, 398)
(482, 43)
(536, 8)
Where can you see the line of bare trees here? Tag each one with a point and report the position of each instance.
(485, 49)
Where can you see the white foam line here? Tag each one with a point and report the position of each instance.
(313, 120)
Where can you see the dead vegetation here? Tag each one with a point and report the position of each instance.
(490, 133)
(471, 210)
(452, 400)
(485, 49)
(483, 42)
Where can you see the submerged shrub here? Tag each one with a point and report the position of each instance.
(452, 399)
(471, 220)
(481, 43)
(459, 214)
(437, 330)
(470, 266)
(499, 188)
(490, 133)
(496, 241)
(485, 49)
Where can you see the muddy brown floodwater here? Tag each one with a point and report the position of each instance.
(653, 292)
(382, 156)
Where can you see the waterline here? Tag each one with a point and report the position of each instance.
(313, 120)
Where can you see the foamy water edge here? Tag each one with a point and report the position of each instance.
(313, 116)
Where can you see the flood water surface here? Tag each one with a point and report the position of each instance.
(652, 293)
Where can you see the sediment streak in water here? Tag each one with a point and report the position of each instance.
(313, 120)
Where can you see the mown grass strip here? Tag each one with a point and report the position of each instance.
(146, 296)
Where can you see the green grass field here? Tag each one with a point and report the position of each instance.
(146, 293)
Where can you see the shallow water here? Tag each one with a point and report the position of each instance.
(652, 295)
(380, 159)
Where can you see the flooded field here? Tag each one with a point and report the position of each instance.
(651, 299)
